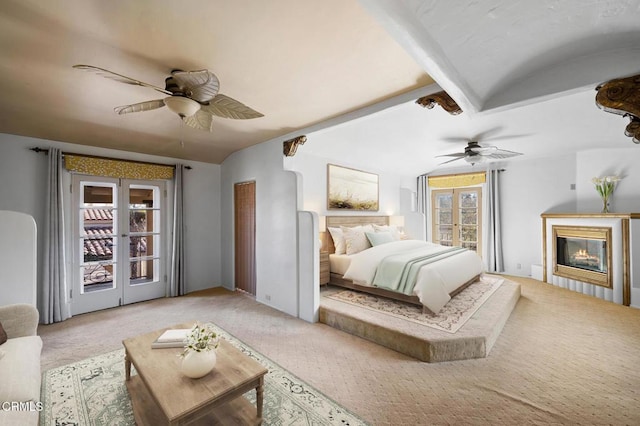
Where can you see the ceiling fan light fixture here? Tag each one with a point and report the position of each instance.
(182, 106)
(473, 159)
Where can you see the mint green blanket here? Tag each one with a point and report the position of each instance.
(398, 272)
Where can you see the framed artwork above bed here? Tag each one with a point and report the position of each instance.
(351, 189)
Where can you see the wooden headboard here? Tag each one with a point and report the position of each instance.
(349, 221)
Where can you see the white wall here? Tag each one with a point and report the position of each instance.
(529, 188)
(607, 162)
(395, 190)
(276, 223)
(23, 175)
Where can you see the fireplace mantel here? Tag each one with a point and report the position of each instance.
(590, 215)
(623, 226)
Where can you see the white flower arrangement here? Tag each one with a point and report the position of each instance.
(201, 338)
(605, 185)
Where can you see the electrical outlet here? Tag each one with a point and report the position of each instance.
(267, 297)
(519, 266)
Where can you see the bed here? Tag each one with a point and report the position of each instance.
(412, 271)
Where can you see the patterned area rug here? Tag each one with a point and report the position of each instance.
(93, 392)
(450, 319)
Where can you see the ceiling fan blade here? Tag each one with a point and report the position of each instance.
(119, 77)
(200, 120)
(201, 86)
(506, 137)
(142, 106)
(486, 135)
(450, 161)
(484, 150)
(454, 139)
(456, 154)
(501, 153)
(224, 106)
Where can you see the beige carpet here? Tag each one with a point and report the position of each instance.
(562, 358)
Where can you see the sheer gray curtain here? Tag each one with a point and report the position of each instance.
(423, 205)
(177, 284)
(54, 306)
(494, 251)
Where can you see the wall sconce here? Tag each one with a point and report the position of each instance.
(398, 222)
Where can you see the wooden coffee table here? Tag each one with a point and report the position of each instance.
(160, 394)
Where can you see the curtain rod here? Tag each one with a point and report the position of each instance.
(46, 151)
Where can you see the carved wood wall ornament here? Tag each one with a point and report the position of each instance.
(290, 146)
(442, 99)
(622, 96)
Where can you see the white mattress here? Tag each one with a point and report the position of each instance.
(339, 263)
(434, 281)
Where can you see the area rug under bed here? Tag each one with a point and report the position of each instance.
(450, 318)
(93, 392)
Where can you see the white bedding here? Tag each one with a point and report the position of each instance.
(339, 263)
(434, 282)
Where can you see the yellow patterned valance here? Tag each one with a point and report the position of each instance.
(108, 167)
(457, 181)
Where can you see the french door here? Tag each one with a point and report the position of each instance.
(118, 242)
(457, 217)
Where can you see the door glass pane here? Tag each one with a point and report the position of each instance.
(444, 219)
(468, 219)
(444, 211)
(98, 224)
(445, 235)
(97, 276)
(468, 234)
(470, 246)
(468, 199)
(144, 240)
(443, 201)
(469, 216)
(143, 271)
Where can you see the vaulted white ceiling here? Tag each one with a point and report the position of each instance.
(517, 68)
(493, 53)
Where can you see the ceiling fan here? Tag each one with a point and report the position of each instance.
(475, 153)
(193, 95)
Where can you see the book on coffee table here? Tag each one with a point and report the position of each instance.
(171, 339)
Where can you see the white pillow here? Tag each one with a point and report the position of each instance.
(377, 238)
(355, 238)
(338, 240)
(393, 230)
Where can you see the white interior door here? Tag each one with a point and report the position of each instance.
(118, 242)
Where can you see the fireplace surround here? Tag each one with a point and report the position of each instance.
(583, 253)
(600, 254)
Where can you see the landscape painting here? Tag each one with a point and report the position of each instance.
(350, 189)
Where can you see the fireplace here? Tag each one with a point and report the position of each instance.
(583, 253)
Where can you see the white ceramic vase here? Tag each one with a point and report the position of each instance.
(198, 364)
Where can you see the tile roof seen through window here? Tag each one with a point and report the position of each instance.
(98, 214)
